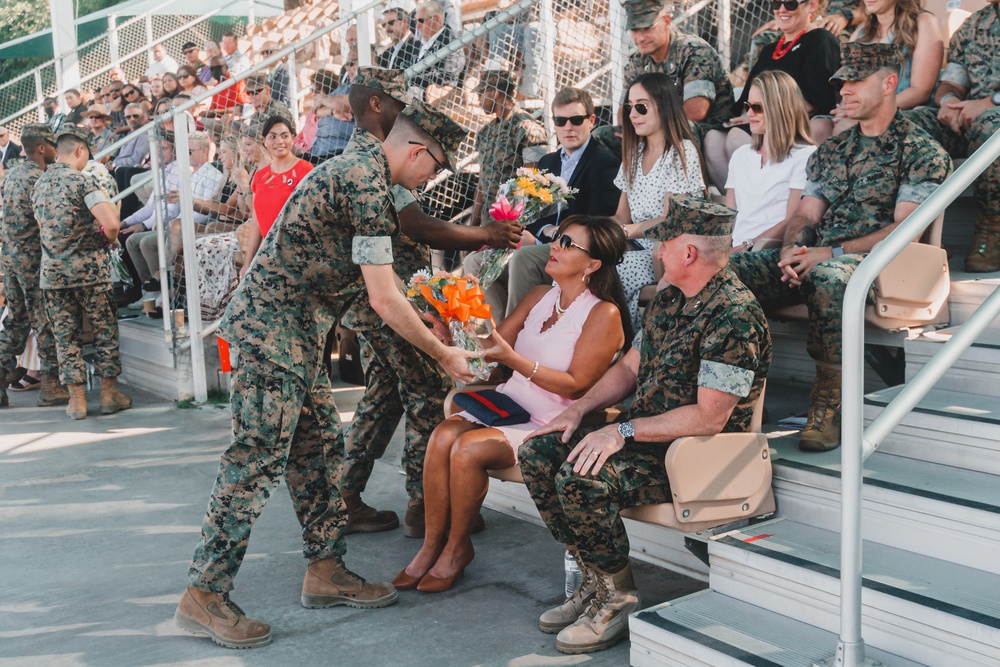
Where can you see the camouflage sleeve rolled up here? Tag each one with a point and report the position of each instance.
(974, 54)
(730, 355)
(371, 217)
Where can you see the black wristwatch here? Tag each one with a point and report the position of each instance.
(627, 431)
(837, 251)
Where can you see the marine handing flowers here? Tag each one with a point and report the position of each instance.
(523, 198)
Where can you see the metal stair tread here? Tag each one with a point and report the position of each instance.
(930, 582)
(967, 488)
(946, 403)
(746, 632)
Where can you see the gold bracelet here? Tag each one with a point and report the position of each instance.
(625, 230)
(533, 372)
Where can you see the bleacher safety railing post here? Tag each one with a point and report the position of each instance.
(857, 443)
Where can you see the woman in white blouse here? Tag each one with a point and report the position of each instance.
(659, 158)
(766, 177)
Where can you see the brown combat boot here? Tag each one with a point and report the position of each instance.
(4, 401)
(77, 408)
(215, 616)
(363, 518)
(52, 393)
(329, 583)
(112, 400)
(984, 253)
(568, 612)
(822, 429)
(604, 623)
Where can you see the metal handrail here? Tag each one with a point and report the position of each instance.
(857, 444)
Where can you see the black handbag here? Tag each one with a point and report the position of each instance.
(492, 408)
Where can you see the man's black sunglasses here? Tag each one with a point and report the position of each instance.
(561, 121)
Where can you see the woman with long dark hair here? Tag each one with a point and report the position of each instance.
(561, 341)
(659, 157)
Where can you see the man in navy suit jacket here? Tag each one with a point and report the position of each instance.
(591, 169)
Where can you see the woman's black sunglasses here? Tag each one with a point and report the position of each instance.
(566, 243)
(790, 5)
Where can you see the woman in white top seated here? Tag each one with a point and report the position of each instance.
(766, 176)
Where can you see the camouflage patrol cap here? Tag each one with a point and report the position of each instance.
(641, 14)
(389, 81)
(38, 131)
(256, 82)
(688, 215)
(499, 79)
(440, 127)
(860, 60)
(79, 132)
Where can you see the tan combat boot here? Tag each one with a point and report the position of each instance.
(984, 253)
(215, 616)
(52, 393)
(112, 400)
(605, 621)
(77, 408)
(363, 518)
(413, 522)
(329, 583)
(568, 612)
(4, 401)
(822, 429)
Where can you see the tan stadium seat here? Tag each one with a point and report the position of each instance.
(714, 480)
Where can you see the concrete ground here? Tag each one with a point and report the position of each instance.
(99, 519)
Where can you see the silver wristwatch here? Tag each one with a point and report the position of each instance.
(627, 431)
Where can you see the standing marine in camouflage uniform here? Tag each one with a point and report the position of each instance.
(74, 218)
(399, 378)
(501, 143)
(692, 64)
(20, 262)
(861, 184)
(969, 100)
(332, 239)
(697, 368)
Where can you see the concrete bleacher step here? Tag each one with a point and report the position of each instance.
(968, 291)
(974, 372)
(709, 629)
(650, 543)
(957, 429)
(914, 606)
(927, 508)
(148, 361)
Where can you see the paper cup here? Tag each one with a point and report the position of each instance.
(148, 304)
(178, 316)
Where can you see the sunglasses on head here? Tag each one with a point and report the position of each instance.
(566, 243)
(790, 5)
(756, 108)
(641, 108)
(561, 121)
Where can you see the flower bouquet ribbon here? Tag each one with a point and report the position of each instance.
(459, 302)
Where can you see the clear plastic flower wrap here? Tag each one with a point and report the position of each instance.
(459, 302)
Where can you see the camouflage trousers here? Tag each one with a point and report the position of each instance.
(25, 311)
(822, 291)
(280, 427)
(986, 188)
(400, 380)
(584, 511)
(66, 309)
